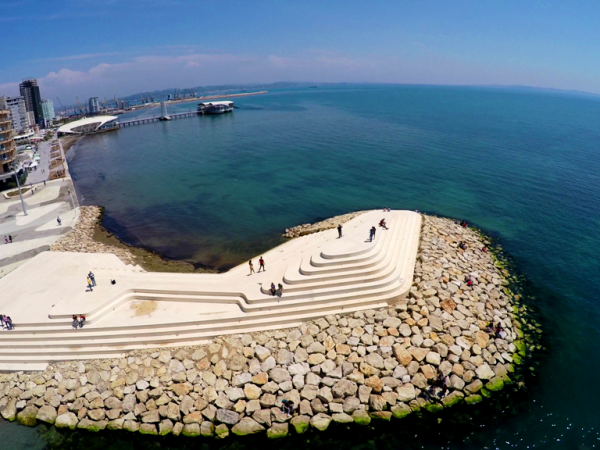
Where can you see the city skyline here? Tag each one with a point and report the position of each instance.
(89, 49)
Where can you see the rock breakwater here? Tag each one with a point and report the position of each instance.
(370, 365)
(327, 224)
(81, 237)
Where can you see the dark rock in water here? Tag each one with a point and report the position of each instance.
(28, 416)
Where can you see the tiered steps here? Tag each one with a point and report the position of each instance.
(321, 275)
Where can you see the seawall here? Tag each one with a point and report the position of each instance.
(370, 365)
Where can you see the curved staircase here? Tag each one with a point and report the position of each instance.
(321, 275)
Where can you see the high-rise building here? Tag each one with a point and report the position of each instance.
(48, 111)
(18, 113)
(8, 151)
(33, 102)
(94, 105)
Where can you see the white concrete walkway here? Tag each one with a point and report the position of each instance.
(321, 275)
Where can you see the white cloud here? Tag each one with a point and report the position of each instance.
(151, 72)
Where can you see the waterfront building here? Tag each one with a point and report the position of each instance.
(89, 125)
(48, 111)
(18, 113)
(30, 91)
(94, 105)
(8, 151)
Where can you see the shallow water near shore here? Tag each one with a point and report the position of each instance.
(524, 166)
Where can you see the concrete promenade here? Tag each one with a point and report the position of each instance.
(321, 275)
(38, 230)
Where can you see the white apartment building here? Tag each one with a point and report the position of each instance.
(19, 116)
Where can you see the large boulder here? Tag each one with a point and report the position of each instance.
(484, 372)
(66, 420)
(300, 423)
(27, 416)
(247, 426)
(191, 430)
(320, 421)
(278, 431)
(47, 414)
(344, 388)
(10, 410)
(361, 417)
(342, 418)
(227, 416)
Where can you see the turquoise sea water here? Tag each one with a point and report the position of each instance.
(523, 166)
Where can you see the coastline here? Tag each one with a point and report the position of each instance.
(197, 99)
(367, 366)
(89, 236)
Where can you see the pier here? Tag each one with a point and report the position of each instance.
(141, 121)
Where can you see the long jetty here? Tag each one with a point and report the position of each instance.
(143, 120)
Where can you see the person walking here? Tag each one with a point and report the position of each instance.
(251, 267)
(372, 234)
(89, 282)
(81, 321)
(93, 278)
(261, 264)
(5, 240)
(75, 323)
(339, 231)
(58, 221)
(10, 238)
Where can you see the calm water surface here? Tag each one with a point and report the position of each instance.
(524, 166)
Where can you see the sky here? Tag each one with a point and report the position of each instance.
(109, 48)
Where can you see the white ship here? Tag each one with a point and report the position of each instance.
(215, 107)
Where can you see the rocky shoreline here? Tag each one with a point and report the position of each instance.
(370, 365)
(88, 236)
(81, 237)
(327, 224)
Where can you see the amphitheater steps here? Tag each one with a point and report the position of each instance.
(322, 282)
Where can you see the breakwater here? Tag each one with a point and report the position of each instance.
(370, 365)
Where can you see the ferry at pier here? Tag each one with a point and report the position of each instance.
(215, 107)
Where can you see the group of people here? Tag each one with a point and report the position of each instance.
(469, 280)
(8, 239)
(438, 390)
(276, 291)
(261, 265)
(91, 281)
(497, 330)
(78, 321)
(6, 322)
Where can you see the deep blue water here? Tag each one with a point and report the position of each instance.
(523, 166)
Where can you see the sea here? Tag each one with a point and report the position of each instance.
(522, 165)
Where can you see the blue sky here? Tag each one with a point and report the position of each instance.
(119, 47)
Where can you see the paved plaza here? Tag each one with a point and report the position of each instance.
(38, 230)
